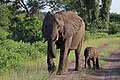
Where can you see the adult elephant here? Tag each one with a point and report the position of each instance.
(66, 31)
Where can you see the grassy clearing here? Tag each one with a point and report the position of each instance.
(113, 45)
(34, 70)
(37, 70)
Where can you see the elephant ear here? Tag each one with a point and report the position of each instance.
(72, 23)
(47, 20)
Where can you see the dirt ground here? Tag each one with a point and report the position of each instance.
(108, 71)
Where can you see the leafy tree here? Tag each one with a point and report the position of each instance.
(114, 17)
(93, 15)
(4, 16)
(114, 23)
(31, 7)
(28, 30)
(17, 18)
(4, 21)
(3, 33)
(4, 2)
(114, 28)
(105, 12)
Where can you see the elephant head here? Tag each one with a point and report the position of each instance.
(50, 30)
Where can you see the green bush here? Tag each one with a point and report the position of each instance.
(41, 47)
(4, 21)
(114, 17)
(27, 30)
(114, 28)
(15, 54)
(3, 33)
(101, 35)
(4, 16)
(118, 34)
(25, 49)
(89, 35)
(9, 59)
(115, 35)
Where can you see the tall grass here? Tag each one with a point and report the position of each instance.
(37, 69)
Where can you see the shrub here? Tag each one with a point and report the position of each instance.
(40, 46)
(118, 34)
(89, 35)
(4, 16)
(3, 33)
(115, 35)
(100, 35)
(14, 54)
(9, 59)
(114, 28)
(27, 30)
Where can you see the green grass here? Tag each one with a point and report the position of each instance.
(37, 69)
(113, 45)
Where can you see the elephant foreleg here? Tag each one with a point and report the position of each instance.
(62, 62)
(88, 63)
(64, 51)
(51, 65)
(85, 61)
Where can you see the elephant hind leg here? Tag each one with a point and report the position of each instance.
(97, 63)
(94, 63)
(77, 60)
(77, 55)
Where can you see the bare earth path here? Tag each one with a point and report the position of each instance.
(109, 71)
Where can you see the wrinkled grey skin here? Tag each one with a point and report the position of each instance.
(66, 31)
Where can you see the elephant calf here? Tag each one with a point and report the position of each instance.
(91, 54)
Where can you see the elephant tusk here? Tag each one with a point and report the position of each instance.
(56, 38)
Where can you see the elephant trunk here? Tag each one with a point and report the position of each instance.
(51, 49)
